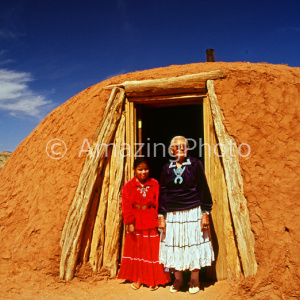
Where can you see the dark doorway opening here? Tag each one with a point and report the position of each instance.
(161, 124)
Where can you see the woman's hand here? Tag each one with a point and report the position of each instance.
(131, 228)
(162, 224)
(204, 221)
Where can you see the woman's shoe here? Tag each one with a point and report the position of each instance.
(138, 285)
(175, 287)
(194, 290)
(153, 288)
(194, 287)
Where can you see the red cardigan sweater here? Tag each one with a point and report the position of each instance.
(133, 194)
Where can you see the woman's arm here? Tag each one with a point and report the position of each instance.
(127, 209)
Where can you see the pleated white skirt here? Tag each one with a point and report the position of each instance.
(184, 246)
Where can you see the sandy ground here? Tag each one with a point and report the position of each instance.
(28, 285)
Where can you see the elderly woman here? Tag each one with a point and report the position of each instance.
(184, 206)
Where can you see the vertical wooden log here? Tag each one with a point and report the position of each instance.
(85, 247)
(227, 264)
(128, 159)
(206, 145)
(139, 129)
(130, 139)
(97, 244)
(234, 180)
(107, 112)
(132, 131)
(113, 222)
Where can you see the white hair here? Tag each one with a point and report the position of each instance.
(177, 138)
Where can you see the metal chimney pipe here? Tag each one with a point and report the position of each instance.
(210, 55)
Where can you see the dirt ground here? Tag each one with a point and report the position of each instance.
(25, 284)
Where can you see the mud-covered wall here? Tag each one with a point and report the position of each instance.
(261, 107)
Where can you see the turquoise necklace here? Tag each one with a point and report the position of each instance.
(178, 172)
(143, 190)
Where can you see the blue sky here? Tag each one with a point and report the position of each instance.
(52, 50)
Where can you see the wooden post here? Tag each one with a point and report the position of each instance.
(235, 190)
(139, 127)
(227, 265)
(130, 139)
(113, 222)
(210, 55)
(98, 237)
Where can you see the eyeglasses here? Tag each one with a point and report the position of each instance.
(180, 146)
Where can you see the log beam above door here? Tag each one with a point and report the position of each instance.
(192, 83)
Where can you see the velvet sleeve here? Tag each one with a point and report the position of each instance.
(127, 209)
(162, 193)
(202, 188)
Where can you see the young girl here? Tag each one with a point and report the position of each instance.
(139, 205)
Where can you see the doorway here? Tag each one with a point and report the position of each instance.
(160, 124)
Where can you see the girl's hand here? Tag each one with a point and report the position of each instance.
(162, 224)
(131, 228)
(204, 221)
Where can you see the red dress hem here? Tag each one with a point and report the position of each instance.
(140, 260)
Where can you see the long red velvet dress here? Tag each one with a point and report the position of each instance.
(141, 249)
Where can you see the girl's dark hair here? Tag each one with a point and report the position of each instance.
(140, 160)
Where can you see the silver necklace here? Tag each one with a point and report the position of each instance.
(178, 172)
(143, 190)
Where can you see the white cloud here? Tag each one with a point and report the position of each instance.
(17, 98)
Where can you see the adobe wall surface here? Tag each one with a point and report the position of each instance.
(260, 103)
